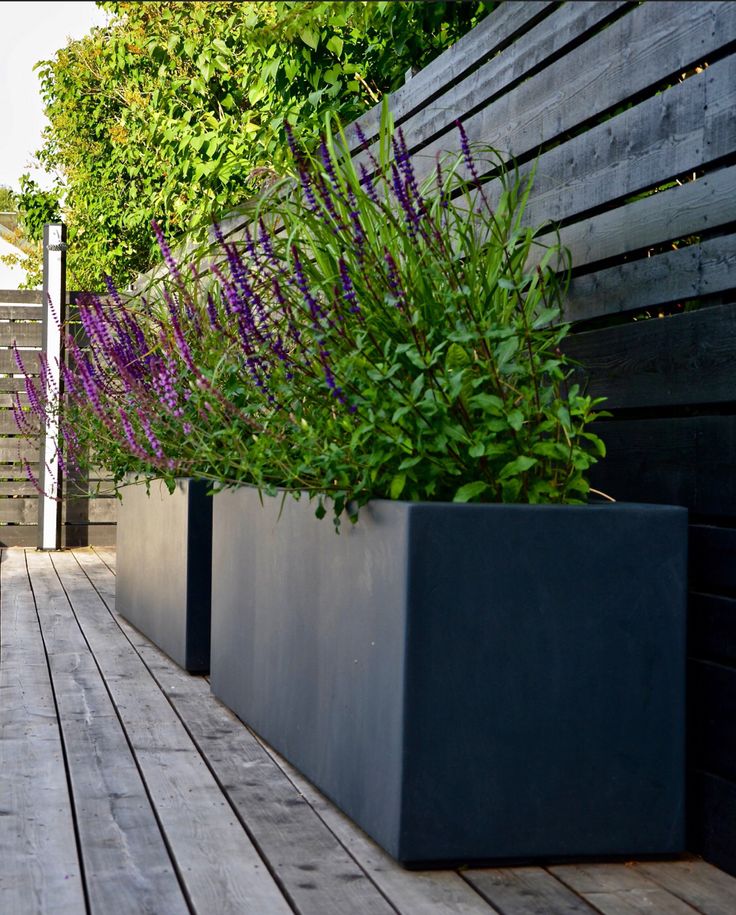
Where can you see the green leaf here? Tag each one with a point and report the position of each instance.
(397, 485)
(515, 419)
(477, 450)
(518, 466)
(470, 491)
(309, 38)
(335, 44)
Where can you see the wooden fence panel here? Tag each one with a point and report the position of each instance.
(92, 519)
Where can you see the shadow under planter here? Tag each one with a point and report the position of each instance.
(467, 682)
(164, 567)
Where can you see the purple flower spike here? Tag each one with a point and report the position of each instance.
(393, 280)
(166, 252)
(467, 154)
(348, 290)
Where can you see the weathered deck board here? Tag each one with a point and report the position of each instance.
(697, 882)
(126, 865)
(39, 866)
(178, 807)
(527, 891)
(616, 889)
(221, 869)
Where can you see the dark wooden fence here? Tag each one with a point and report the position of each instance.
(85, 520)
(629, 111)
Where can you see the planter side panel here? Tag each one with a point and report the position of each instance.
(157, 569)
(545, 684)
(308, 643)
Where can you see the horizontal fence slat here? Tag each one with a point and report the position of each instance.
(73, 535)
(678, 461)
(712, 628)
(19, 511)
(712, 712)
(7, 422)
(675, 276)
(681, 360)
(501, 26)
(10, 386)
(17, 488)
(20, 333)
(21, 312)
(531, 50)
(14, 450)
(677, 212)
(90, 510)
(8, 365)
(653, 42)
(21, 296)
(18, 535)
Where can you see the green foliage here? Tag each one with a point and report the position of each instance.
(371, 338)
(36, 207)
(7, 200)
(176, 110)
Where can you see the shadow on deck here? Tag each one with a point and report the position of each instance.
(126, 787)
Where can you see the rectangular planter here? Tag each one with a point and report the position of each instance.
(164, 568)
(467, 682)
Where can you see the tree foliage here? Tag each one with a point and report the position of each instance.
(176, 110)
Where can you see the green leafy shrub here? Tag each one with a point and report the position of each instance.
(369, 338)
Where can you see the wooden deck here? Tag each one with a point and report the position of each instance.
(125, 787)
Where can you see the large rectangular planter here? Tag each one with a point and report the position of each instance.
(164, 567)
(467, 682)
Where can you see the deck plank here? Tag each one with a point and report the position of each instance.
(431, 892)
(698, 883)
(127, 868)
(620, 889)
(526, 891)
(107, 555)
(39, 866)
(221, 869)
(318, 874)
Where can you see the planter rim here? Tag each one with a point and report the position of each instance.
(472, 506)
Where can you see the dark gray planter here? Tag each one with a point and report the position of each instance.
(467, 682)
(164, 568)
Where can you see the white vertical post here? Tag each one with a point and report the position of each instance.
(54, 302)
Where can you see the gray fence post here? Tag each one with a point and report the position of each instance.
(54, 304)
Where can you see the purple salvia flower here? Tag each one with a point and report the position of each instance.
(129, 434)
(410, 214)
(286, 309)
(308, 190)
(168, 257)
(20, 416)
(358, 233)
(250, 245)
(329, 166)
(366, 182)
(266, 242)
(348, 290)
(326, 196)
(152, 440)
(393, 280)
(301, 282)
(32, 478)
(467, 154)
(212, 312)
